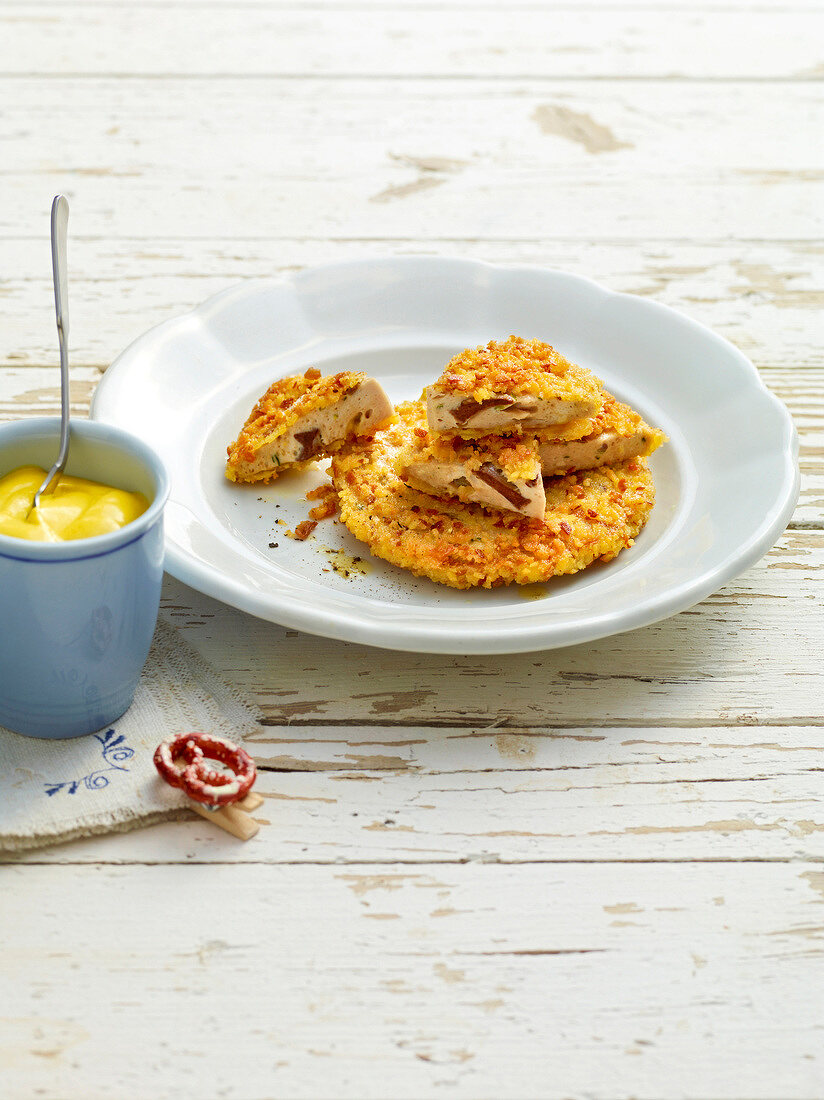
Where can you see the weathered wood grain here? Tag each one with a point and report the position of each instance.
(696, 669)
(474, 981)
(35, 391)
(675, 6)
(373, 158)
(361, 794)
(766, 297)
(593, 872)
(397, 40)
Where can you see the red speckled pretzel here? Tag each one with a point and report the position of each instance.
(184, 762)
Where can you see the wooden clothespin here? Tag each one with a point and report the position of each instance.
(233, 818)
(223, 797)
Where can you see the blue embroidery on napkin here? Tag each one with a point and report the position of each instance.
(114, 752)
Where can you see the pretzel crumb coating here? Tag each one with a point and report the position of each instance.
(498, 472)
(304, 417)
(618, 434)
(590, 515)
(509, 385)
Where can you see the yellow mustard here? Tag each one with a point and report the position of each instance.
(76, 509)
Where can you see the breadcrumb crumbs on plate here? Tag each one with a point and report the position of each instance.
(325, 510)
(328, 497)
(321, 491)
(303, 530)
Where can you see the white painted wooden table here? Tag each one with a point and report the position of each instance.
(595, 872)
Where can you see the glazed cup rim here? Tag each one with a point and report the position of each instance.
(95, 545)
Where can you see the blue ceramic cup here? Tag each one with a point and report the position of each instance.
(77, 618)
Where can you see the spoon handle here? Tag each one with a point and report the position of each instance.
(59, 232)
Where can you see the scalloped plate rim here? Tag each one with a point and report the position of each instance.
(517, 635)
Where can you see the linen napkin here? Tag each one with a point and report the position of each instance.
(53, 791)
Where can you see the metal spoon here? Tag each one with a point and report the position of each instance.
(59, 228)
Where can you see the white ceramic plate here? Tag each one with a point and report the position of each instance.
(726, 482)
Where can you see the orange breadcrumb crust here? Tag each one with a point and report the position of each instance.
(328, 501)
(590, 515)
(282, 406)
(573, 430)
(517, 366)
(321, 492)
(303, 530)
(616, 417)
(325, 510)
(515, 455)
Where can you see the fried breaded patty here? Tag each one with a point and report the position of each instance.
(498, 472)
(618, 434)
(508, 386)
(305, 417)
(589, 515)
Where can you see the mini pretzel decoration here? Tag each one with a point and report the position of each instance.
(201, 782)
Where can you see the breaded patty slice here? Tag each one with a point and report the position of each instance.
(515, 385)
(497, 472)
(618, 434)
(304, 417)
(588, 516)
